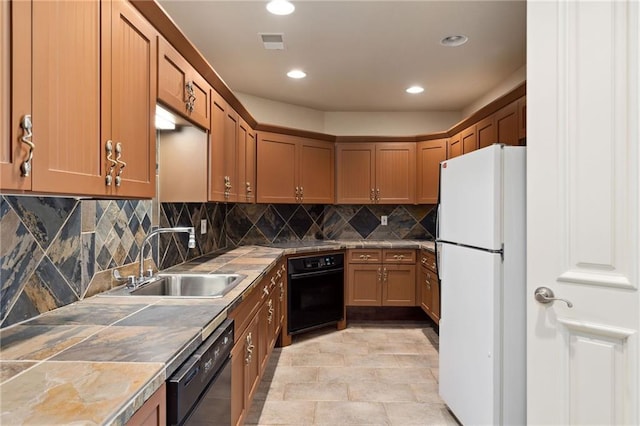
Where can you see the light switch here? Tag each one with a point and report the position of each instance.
(203, 226)
(383, 220)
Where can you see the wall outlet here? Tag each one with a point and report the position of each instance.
(203, 226)
(383, 220)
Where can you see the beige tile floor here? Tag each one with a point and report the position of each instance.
(367, 374)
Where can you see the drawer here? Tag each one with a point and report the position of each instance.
(244, 313)
(428, 260)
(364, 256)
(399, 256)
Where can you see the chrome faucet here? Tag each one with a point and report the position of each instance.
(191, 244)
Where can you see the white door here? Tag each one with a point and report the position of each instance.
(471, 200)
(583, 219)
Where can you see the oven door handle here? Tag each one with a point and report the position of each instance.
(315, 273)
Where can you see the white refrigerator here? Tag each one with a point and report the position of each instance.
(481, 249)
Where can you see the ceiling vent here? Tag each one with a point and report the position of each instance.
(272, 41)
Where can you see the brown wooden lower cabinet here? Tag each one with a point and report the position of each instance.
(391, 282)
(257, 324)
(429, 285)
(153, 412)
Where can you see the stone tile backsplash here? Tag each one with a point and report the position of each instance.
(58, 250)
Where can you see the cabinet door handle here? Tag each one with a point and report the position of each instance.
(270, 316)
(367, 256)
(372, 195)
(27, 126)
(119, 161)
(108, 147)
(281, 291)
(395, 256)
(384, 274)
(379, 275)
(377, 195)
(362, 256)
(191, 97)
(265, 290)
(424, 260)
(249, 190)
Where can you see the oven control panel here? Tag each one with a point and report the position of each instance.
(319, 262)
(316, 263)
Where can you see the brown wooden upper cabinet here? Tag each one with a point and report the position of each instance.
(246, 171)
(181, 87)
(429, 154)
(102, 87)
(293, 169)
(231, 154)
(522, 117)
(507, 124)
(469, 139)
(486, 131)
(455, 146)
(376, 173)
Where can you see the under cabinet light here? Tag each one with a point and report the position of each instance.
(164, 119)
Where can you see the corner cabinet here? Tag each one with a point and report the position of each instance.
(376, 173)
(381, 277)
(102, 87)
(429, 285)
(429, 154)
(292, 169)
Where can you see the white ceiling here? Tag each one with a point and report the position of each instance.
(360, 55)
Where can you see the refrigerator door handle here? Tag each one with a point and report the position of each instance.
(437, 255)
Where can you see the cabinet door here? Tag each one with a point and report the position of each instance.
(238, 382)
(507, 124)
(65, 111)
(179, 86)
(355, 173)
(264, 336)
(395, 173)
(277, 168)
(153, 412)
(399, 285)
(434, 285)
(430, 154)
(15, 91)
(231, 127)
(425, 291)
(364, 285)
(217, 166)
(455, 146)
(522, 117)
(486, 131)
(469, 140)
(252, 359)
(246, 163)
(132, 90)
(316, 160)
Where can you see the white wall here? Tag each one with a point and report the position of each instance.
(507, 85)
(266, 111)
(342, 123)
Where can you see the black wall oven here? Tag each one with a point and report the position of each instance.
(315, 291)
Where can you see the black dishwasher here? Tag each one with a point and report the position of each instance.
(315, 291)
(199, 392)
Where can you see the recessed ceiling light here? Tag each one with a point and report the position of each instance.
(454, 40)
(297, 74)
(280, 7)
(415, 89)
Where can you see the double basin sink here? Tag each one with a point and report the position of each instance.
(189, 285)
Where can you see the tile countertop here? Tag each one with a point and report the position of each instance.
(96, 361)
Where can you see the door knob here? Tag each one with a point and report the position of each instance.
(545, 295)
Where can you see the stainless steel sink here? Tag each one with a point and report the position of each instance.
(189, 285)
